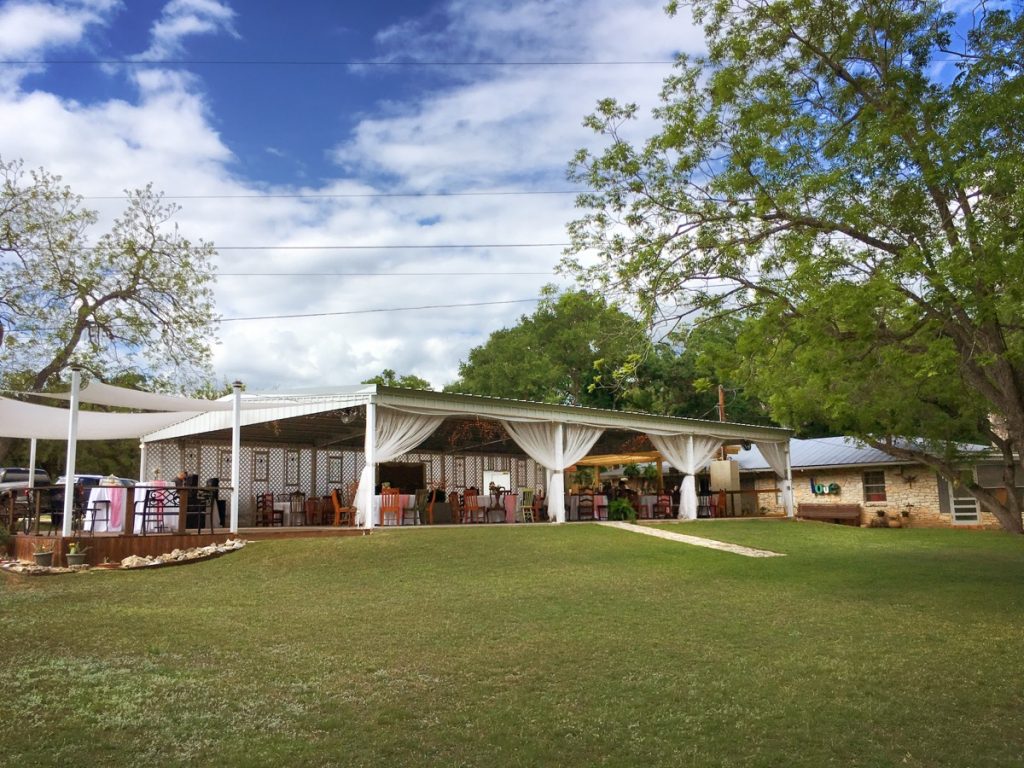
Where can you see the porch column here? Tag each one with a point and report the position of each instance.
(787, 483)
(32, 463)
(69, 466)
(556, 497)
(142, 461)
(365, 494)
(688, 492)
(236, 451)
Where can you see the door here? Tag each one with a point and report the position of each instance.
(964, 506)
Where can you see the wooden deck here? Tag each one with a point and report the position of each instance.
(104, 547)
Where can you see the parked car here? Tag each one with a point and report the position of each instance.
(90, 481)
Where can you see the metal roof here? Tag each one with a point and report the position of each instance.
(821, 452)
(313, 416)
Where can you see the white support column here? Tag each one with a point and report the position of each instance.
(688, 492)
(236, 451)
(142, 461)
(32, 466)
(787, 483)
(365, 495)
(69, 466)
(556, 498)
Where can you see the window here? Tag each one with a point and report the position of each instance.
(874, 485)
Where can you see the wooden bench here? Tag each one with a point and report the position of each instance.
(846, 514)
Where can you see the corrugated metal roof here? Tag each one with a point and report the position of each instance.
(819, 452)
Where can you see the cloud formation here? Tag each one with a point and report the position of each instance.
(469, 129)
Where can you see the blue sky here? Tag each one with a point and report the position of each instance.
(268, 153)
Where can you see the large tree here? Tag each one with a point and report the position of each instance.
(131, 304)
(134, 299)
(565, 352)
(389, 378)
(846, 177)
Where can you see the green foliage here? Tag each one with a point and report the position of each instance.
(620, 509)
(135, 299)
(567, 351)
(388, 378)
(840, 183)
(5, 537)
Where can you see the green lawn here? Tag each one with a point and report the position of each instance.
(530, 645)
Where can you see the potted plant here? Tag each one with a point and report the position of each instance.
(43, 554)
(76, 553)
(621, 509)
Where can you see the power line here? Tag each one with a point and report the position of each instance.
(373, 311)
(345, 195)
(317, 275)
(382, 247)
(330, 314)
(328, 63)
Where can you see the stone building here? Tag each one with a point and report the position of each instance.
(839, 470)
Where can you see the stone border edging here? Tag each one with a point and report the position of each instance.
(696, 541)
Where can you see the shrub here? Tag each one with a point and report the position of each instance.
(620, 509)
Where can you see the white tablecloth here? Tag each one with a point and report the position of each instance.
(168, 513)
(118, 499)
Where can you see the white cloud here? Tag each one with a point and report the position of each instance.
(30, 27)
(184, 18)
(511, 128)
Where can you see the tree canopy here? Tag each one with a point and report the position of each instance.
(388, 378)
(137, 299)
(565, 352)
(844, 178)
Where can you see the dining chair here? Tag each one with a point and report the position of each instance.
(343, 514)
(155, 506)
(390, 504)
(662, 507)
(266, 514)
(297, 507)
(471, 509)
(419, 508)
(524, 510)
(585, 506)
(455, 502)
(311, 510)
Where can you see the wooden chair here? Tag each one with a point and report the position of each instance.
(471, 509)
(419, 508)
(662, 507)
(585, 506)
(390, 504)
(343, 515)
(265, 512)
(313, 510)
(455, 502)
(524, 511)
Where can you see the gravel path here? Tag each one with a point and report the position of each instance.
(697, 541)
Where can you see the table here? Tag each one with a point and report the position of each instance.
(117, 496)
(169, 512)
(507, 504)
(288, 511)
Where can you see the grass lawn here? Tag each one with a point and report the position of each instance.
(530, 645)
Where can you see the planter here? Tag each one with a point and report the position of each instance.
(43, 558)
(76, 558)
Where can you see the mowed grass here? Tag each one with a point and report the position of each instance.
(530, 645)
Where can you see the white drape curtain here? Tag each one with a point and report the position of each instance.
(689, 454)
(540, 442)
(777, 456)
(396, 432)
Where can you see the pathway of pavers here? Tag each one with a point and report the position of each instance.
(697, 541)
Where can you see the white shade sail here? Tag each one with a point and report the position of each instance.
(98, 393)
(43, 422)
